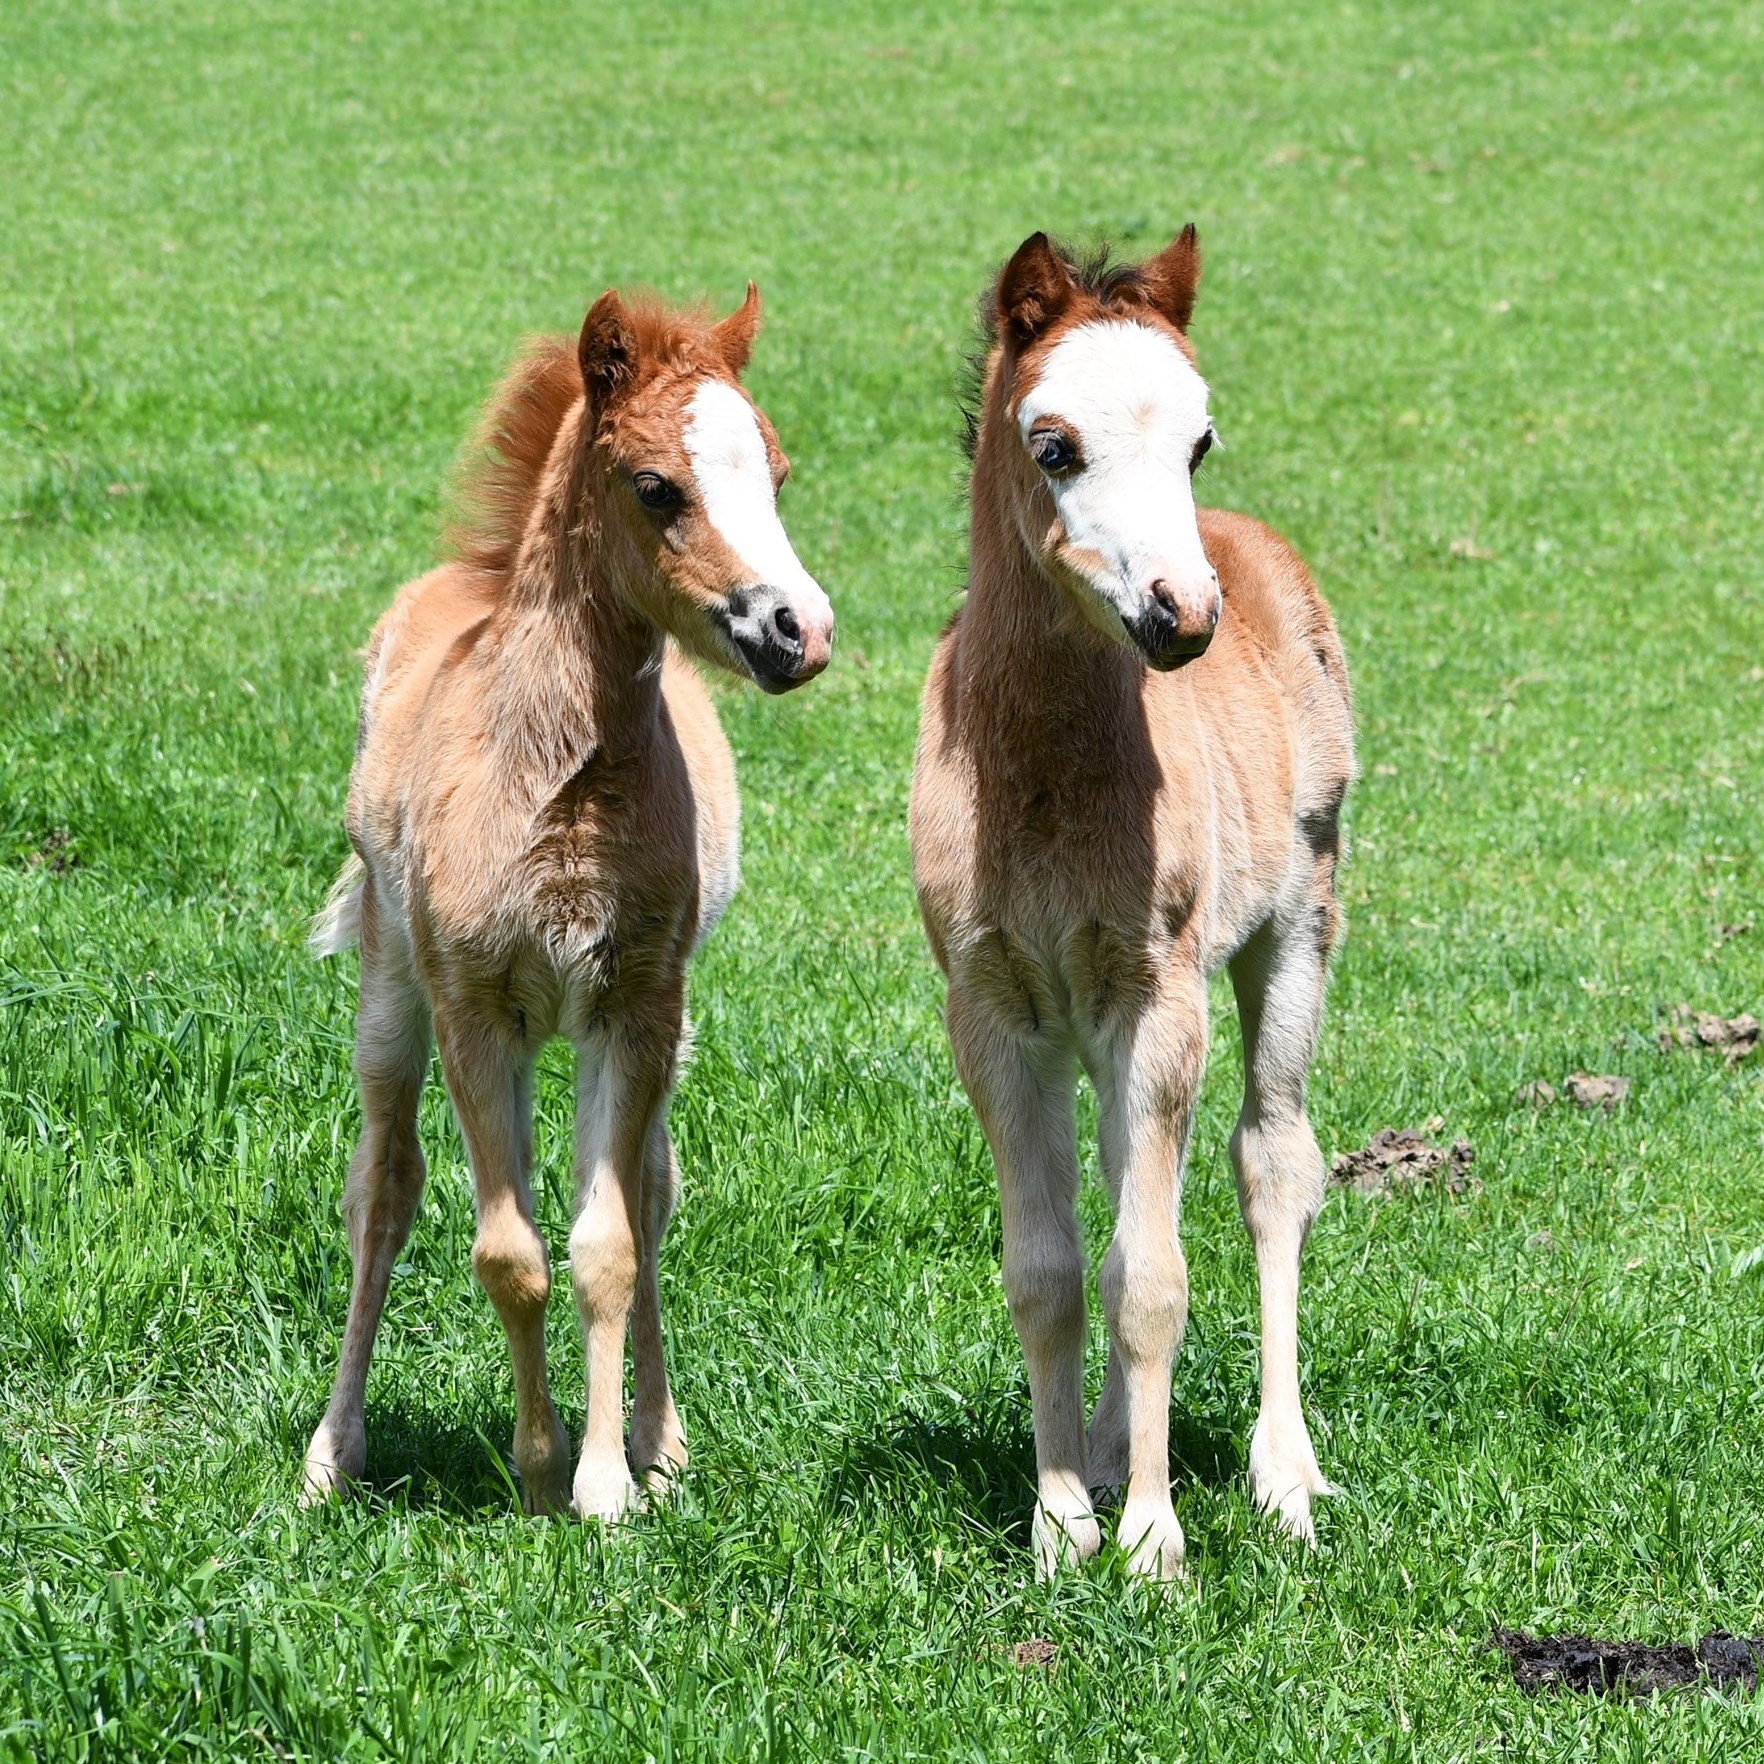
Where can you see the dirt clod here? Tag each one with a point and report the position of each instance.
(1735, 1036)
(1402, 1158)
(1590, 1092)
(1540, 1093)
(1739, 928)
(1628, 1668)
(56, 854)
(1037, 1651)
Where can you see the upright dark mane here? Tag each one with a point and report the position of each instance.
(499, 475)
(1096, 273)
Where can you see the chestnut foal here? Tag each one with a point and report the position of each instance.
(545, 821)
(1136, 739)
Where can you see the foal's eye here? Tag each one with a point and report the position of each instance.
(655, 492)
(1202, 448)
(1053, 452)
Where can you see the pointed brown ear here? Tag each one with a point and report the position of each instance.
(736, 333)
(1033, 289)
(1172, 278)
(608, 351)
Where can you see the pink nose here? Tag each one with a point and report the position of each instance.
(1193, 608)
(1172, 624)
(806, 637)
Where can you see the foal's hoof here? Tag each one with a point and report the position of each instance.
(604, 1492)
(1284, 1480)
(1061, 1540)
(1153, 1541)
(657, 1456)
(544, 1464)
(334, 1462)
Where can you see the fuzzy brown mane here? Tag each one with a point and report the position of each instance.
(498, 478)
(1094, 271)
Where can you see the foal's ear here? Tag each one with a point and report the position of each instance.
(736, 333)
(608, 351)
(1033, 289)
(1172, 278)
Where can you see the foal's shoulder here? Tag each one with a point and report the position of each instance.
(1266, 585)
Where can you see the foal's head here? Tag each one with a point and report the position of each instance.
(1106, 423)
(692, 471)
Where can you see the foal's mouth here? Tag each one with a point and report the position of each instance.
(1160, 645)
(763, 629)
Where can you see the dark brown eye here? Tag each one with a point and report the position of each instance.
(1053, 452)
(655, 492)
(1202, 448)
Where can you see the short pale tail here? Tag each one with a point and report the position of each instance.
(338, 925)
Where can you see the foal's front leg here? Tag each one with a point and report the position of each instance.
(492, 1089)
(1147, 1079)
(621, 1089)
(1022, 1092)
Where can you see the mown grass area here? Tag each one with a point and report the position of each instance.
(1480, 313)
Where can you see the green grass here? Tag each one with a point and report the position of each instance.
(1481, 316)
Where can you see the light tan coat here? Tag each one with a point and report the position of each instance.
(545, 821)
(1135, 743)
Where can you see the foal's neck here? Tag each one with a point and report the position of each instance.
(578, 669)
(1034, 672)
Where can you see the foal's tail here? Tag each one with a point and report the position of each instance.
(338, 925)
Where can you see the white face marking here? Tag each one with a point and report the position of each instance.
(1137, 407)
(734, 479)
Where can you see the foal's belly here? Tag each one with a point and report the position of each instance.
(1057, 951)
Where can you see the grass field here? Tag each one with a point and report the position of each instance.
(1481, 317)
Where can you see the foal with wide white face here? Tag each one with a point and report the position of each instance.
(545, 822)
(1136, 740)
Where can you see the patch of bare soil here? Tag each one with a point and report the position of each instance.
(1588, 1091)
(1037, 1651)
(1628, 1668)
(1735, 1036)
(1403, 1158)
(56, 854)
(1585, 1089)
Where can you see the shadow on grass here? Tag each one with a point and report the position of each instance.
(977, 1459)
(973, 1459)
(429, 1462)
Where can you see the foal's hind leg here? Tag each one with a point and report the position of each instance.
(658, 1442)
(1022, 1092)
(491, 1085)
(385, 1183)
(1279, 978)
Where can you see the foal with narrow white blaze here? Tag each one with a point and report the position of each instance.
(1135, 743)
(545, 822)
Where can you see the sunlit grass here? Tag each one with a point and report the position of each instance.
(1480, 317)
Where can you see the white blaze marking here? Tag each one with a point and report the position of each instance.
(1138, 407)
(734, 478)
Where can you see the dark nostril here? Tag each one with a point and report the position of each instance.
(784, 623)
(1160, 592)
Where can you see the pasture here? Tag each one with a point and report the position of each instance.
(1480, 316)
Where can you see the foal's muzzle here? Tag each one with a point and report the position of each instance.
(783, 644)
(1170, 628)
